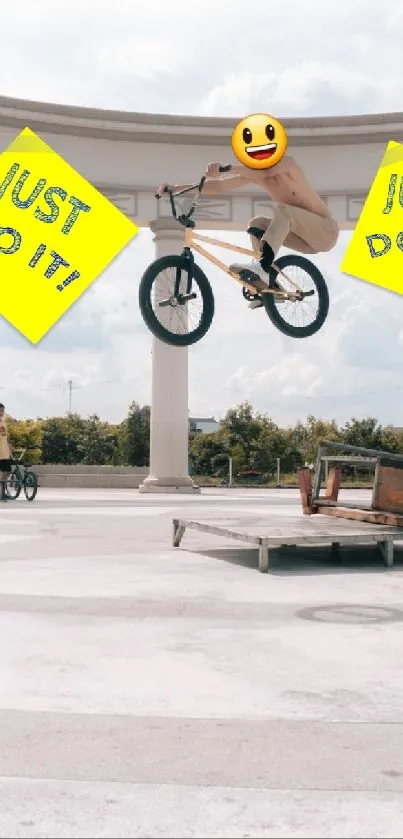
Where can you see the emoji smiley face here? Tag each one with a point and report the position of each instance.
(259, 141)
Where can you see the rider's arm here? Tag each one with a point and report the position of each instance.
(212, 186)
(258, 175)
(215, 182)
(216, 186)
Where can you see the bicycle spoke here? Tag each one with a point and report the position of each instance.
(30, 485)
(13, 486)
(298, 313)
(179, 318)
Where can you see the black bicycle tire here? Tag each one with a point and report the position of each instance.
(18, 492)
(273, 313)
(147, 312)
(35, 485)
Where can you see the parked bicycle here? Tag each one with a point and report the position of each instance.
(177, 302)
(21, 478)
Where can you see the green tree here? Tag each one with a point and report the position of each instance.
(366, 433)
(63, 440)
(241, 426)
(392, 436)
(208, 453)
(100, 442)
(239, 461)
(269, 445)
(391, 441)
(305, 437)
(134, 436)
(26, 434)
(292, 458)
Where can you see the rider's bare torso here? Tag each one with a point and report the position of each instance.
(285, 183)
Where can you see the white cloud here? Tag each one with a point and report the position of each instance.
(310, 88)
(179, 58)
(396, 15)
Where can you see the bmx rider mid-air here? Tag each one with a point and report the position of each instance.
(301, 221)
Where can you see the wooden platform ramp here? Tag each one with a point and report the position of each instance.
(292, 532)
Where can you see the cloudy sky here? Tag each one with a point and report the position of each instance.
(211, 57)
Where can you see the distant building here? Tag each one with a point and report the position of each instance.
(203, 425)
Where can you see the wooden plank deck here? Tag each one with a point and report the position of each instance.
(289, 531)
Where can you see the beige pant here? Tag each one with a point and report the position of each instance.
(297, 229)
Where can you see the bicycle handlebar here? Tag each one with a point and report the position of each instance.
(184, 218)
(23, 450)
(224, 168)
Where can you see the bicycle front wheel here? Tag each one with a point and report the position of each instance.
(30, 486)
(13, 486)
(177, 309)
(298, 318)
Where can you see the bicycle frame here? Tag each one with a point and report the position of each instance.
(192, 238)
(18, 467)
(191, 241)
(18, 459)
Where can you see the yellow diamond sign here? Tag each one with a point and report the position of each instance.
(375, 252)
(57, 235)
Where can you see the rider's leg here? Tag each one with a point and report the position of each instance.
(264, 257)
(293, 227)
(297, 229)
(271, 233)
(3, 478)
(301, 230)
(257, 227)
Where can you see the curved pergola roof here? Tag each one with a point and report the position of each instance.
(193, 130)
(125, 155)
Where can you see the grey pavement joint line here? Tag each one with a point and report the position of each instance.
(275, 754)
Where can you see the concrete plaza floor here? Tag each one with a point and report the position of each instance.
(148, 691)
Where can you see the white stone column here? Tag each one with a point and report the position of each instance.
(169, 433)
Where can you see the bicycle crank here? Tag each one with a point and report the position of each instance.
(300, 295)
(177, 301)
(248, 295)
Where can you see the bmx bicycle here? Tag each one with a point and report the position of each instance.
(21, 478)
(177, 302)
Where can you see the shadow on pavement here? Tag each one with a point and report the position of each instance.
(305, 561)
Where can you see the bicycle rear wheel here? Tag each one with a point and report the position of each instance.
(13, 486)
(298, 318)
(176, 311)
(30, 486)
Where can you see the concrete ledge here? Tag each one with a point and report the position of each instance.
(91, 477)
(52, 468)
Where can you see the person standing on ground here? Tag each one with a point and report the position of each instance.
(5, 454)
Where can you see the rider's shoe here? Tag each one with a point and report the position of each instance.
(260, 280)
(259, 267)
(253, 267)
